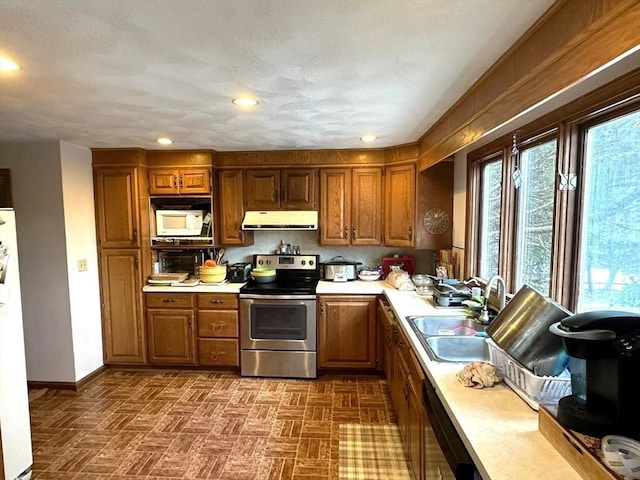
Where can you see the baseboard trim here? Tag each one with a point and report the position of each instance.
(74, 386)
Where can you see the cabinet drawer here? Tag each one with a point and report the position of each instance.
(169, 300)
(218, 351)
(218, 301)
(218, 323)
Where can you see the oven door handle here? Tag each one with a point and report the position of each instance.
(276, 297)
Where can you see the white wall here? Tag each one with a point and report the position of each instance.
(53, 198)
(37, 198)
(80, 232)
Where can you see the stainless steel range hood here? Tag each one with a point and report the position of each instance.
(281, 220)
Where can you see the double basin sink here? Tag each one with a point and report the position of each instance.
(456, 339)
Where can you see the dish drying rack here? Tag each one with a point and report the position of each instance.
(533, 389)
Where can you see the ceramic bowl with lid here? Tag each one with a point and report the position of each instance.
(368, 275)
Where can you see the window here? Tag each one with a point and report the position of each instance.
(610, 237)
(556, 205)
(535, 217)
(490, 218)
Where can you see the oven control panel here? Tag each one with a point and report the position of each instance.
(285, 262)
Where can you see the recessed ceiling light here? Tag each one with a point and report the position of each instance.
(164, 141)
(245, 101)
(368, 138)
(8, 65)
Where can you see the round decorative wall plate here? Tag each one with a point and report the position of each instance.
(436, 221)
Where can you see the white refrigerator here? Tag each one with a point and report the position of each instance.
(15, 427)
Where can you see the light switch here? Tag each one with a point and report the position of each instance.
(82, 265)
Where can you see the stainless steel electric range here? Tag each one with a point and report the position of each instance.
(278, 324)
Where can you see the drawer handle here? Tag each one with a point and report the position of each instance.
(168, 300)
(216, 300)
(215, 356)
(217, 328)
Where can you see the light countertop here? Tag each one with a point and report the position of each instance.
(201, 288)
(499, 429)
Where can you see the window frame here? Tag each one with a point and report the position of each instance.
(568, 125)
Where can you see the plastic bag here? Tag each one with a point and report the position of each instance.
(400, 279)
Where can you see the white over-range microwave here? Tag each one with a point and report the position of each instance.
(172, 223)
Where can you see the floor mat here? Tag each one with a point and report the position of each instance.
(370, 452)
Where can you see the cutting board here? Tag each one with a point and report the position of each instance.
(581, 451)
(408, 264)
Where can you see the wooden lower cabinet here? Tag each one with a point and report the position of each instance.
(347, 331)
(405, 376)
(218, 330)
(122, 313)
(170, 328)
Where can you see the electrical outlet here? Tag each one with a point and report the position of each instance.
(82, 265)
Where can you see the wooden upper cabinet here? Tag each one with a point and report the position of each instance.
(298, 189)
(366, 206)
(280, 189)
(230, 210)
(351, 206)
(335, 206)
(179, 181)
(400, 206)
(116, 192)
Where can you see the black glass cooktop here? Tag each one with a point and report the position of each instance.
(282, 286)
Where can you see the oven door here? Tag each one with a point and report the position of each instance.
(278, 322)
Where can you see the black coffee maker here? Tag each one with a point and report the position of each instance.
(604, 351)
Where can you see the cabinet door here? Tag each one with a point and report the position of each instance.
(416, 426)
(262, 190)
(366, 212)
(122, 319)
(230, 209)
(347, 332)
(400, 206)
(297, 189)
(117, 207)
(335, 206)
(171, 337)
(194, 181)
(164, 181)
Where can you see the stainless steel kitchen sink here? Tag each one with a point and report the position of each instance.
(453, 325)
(457, 349)
(451, 338)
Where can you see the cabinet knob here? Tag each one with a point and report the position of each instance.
(321, 308)
(135, 234)
(180, 181)
(175, 181)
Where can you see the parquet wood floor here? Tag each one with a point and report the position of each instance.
(170, 424)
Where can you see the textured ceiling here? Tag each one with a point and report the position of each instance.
(120, 73)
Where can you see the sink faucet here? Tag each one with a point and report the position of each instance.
(500, 286)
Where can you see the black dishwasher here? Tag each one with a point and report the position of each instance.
(447, 443)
